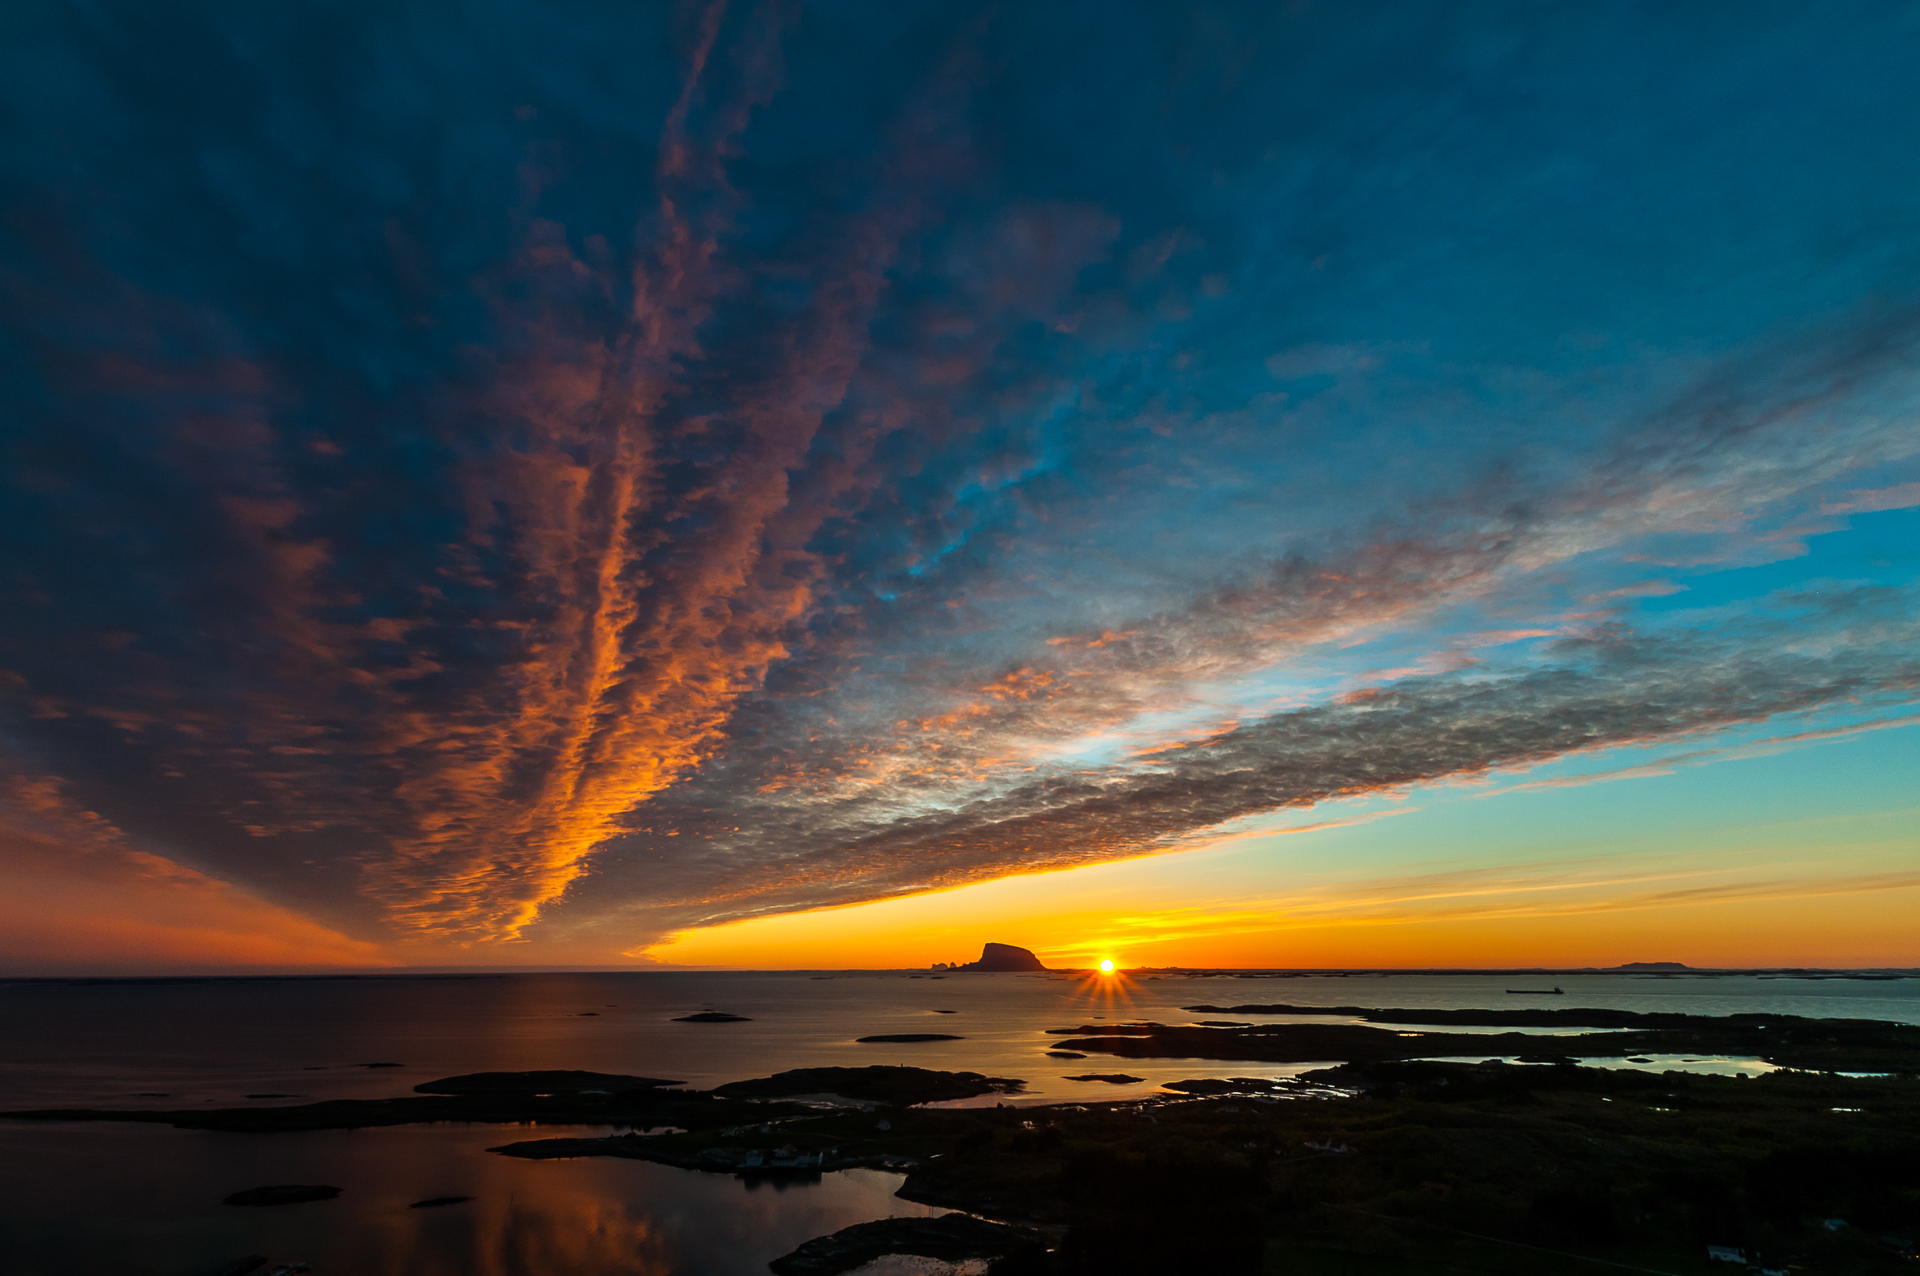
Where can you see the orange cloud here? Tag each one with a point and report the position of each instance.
(624, 639)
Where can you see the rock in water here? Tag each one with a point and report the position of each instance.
(435, 1202)
(283, 1194)
(549, 1081)
(1114, 1078)
(1004, 957)
(713, 1016)
(878, 1084)
(909, 1036)
(951, 1236)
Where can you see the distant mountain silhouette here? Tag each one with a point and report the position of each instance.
(1003, 957)
(1652, 965)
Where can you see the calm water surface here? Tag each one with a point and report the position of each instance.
(141, 1200)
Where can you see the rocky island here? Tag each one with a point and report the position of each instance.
(1001, 958)
(1786, 1041)
(950, 1237)
(1441, 1169)
(1378, 1165)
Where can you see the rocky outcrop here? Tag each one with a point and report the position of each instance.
(1003, 957)
(551, 1081)
(595, 1098)
(879, 1084)
(284, 1194)
(1822, 1045)
(904, 1037)
(952, 1237)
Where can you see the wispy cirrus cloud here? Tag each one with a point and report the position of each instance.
(1900, 496)
(1701, 757)
(587, 475)
(1603, 690)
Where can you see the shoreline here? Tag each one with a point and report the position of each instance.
(1379, 1153)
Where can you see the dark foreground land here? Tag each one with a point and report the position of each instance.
(1372, 1167)
(1787, 1041)
(1400, 1167)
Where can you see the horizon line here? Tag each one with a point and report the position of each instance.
(356, 972)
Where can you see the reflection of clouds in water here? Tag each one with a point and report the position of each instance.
(591, 1217)
(555, 1232)
(113, 1198)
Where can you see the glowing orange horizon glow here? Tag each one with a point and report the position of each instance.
(1598, 912)
(75, 893)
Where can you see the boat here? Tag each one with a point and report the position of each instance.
(1536, 992)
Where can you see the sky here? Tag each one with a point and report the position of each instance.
(831, 484)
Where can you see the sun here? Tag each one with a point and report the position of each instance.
(1106, 966)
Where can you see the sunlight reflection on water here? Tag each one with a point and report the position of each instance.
(1706, 1065)
(144, 1200)
(105, 1044)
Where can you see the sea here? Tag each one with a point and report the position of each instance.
(85, 1198)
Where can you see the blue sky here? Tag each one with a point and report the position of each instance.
(503, 479)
